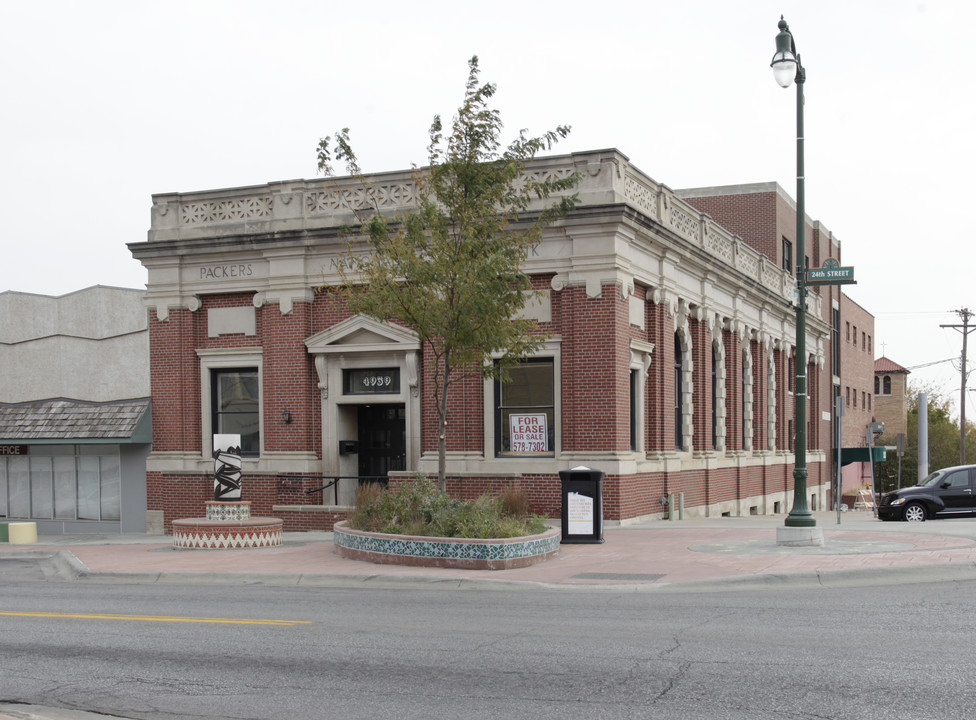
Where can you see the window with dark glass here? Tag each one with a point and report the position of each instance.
(371, 381)
(525, 410)
(887, 385)
(788, 256)
(715, 361)
(835, 340)
(745, 400)
(236, 408)
(678, 439)
(634, 399)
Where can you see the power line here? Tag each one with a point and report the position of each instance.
(925, 365)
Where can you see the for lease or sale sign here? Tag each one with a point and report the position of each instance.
(529, 432)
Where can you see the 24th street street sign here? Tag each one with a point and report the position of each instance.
(831, 273)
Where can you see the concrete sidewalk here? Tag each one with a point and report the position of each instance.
(714, 553)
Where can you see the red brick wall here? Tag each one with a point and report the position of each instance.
(751, 216)
(175, 383)
(857, 371)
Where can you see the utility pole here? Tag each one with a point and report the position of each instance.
(965, 328)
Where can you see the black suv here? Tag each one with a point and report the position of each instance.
(945, 493)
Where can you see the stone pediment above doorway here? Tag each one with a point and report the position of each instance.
(363, 342)
(361, 334)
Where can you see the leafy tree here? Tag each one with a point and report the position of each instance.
(943, 438)
(452, 269)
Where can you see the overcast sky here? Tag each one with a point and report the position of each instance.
(106, 103)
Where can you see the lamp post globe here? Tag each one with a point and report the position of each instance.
(784, 62)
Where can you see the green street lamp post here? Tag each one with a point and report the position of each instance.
(787, 70)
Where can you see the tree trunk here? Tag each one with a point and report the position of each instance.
(442, 435)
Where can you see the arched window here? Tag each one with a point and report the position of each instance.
(877, 385)
(887, 385)
(678, 358)
(746, 399)
(715, 362)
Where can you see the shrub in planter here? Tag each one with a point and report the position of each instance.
(419, 508)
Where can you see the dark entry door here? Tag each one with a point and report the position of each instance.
(382, 439)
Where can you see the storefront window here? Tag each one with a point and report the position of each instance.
(42, 488)
(525, 410)
(18, 487)
(62, 482)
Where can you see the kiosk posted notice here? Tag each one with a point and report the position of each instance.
(579, 514)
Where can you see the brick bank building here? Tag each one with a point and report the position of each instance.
(669, 362)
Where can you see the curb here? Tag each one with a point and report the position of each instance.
(66, 565)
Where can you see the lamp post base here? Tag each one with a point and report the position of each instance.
(800, 536)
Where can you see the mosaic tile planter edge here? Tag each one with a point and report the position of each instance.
(464, 553)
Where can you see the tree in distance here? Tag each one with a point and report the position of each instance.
(452, 269)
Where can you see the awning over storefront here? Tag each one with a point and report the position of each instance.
(60, 421)
(861, 454)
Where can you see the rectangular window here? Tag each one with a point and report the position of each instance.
(525, 410)
(788, 256)
(848, 332)
(234, 396)
(18, 487)
(62, 482)
(65, 479)
(88, 486)
(372, 381)
(42, 488)
(835, 341)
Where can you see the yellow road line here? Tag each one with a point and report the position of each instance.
(157, 618)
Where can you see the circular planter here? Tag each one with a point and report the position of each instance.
(203, 533)
(468, 554)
